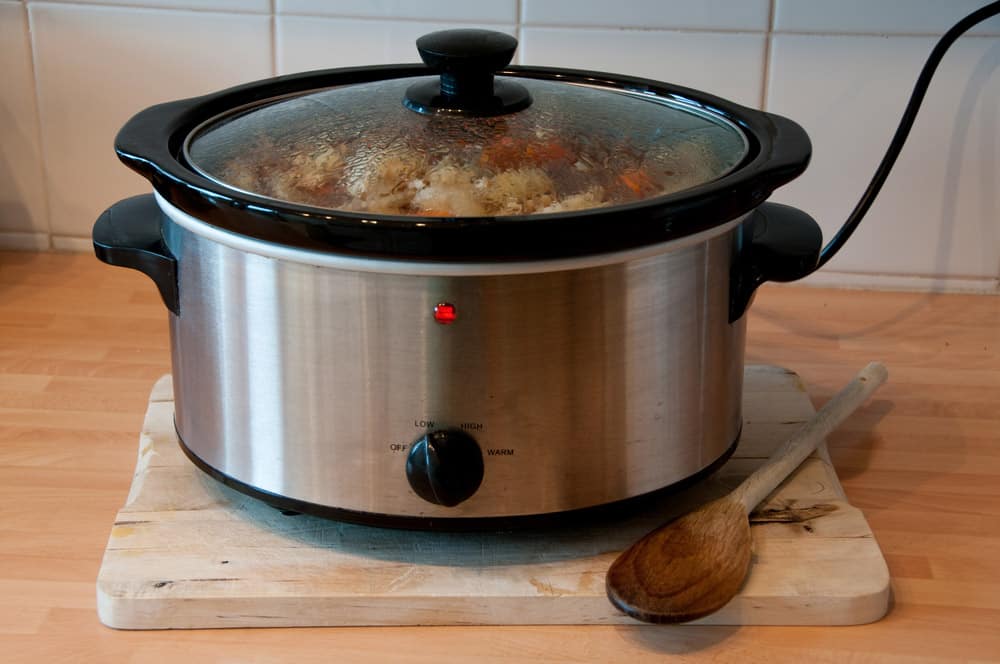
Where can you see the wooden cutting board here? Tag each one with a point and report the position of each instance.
(187, 552)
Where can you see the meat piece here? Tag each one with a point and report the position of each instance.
(517, 191)
(591, 198)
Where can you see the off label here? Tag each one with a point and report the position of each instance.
(398, 447)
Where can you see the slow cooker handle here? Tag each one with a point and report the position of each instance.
(779, 243)
(128, 234)
(789, 150)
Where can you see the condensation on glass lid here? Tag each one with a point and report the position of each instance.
(359, 149)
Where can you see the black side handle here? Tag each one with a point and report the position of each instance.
(129, 234)
(787, 152)
(780, 243)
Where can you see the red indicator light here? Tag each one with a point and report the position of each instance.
(445, 313)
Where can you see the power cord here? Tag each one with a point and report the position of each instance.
(903, 130)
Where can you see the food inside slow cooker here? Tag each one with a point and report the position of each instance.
(358, 148)
(504, 176)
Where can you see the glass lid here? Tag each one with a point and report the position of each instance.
(467, 144)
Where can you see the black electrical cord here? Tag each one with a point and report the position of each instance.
(905, 124)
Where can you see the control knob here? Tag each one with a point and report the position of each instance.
(445, 467)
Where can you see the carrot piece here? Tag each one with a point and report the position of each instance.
(547, 152)
(636, 180)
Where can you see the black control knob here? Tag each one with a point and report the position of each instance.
(445, 467)
(466, 61)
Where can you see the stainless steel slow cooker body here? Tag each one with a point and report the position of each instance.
(583, 382)
(581, 359)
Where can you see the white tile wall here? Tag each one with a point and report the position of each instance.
(843, 69)
(455, 11)
(256, 6)
(97, 66)
(675, 14)
(730, 65)
(939, 213)
(22, 191)
(921, 17)
(314, 42)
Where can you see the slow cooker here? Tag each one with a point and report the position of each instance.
(463, 293)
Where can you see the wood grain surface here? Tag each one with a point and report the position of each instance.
(186, 551)
(82, 343)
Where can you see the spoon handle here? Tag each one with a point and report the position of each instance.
(787, 458)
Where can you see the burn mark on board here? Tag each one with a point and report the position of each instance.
(792, 514)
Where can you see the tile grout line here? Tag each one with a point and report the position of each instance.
(394, 19)
(519, 29)
(274, 37)
(39, 134)
(883, 35)
(768, 39)
(139, 5)
(25, 240)
(628, 29)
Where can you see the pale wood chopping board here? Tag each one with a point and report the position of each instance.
(188, 552)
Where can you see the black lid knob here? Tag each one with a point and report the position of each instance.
(466, 61)
(467, 50)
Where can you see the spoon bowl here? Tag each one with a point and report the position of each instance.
(687, 569)
(693, 565)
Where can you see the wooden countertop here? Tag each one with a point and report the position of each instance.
(81, 344)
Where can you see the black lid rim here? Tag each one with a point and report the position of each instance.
(151, 144)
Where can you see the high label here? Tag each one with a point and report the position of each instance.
(433, 424)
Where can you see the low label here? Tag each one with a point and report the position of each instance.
(464, 426)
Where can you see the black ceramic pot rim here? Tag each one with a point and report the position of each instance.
(151, 143)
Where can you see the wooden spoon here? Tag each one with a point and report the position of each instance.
(693, 566)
